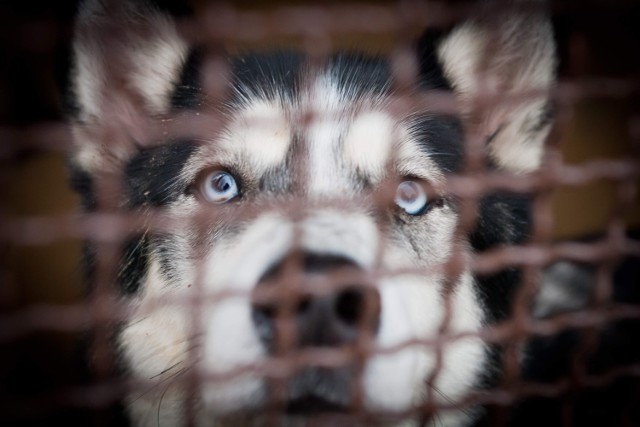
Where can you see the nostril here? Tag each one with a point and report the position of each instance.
(349, 306)
(303, 306)
(263, 318)
(316, 318)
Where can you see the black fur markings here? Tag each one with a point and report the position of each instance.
(359, 75)
(177, 8)
(152, 176)
(152, 179)
(187, 94)
(82, 183)
(442, 138)
(167, 254)
(271, 76)
(277, 75)
(133, 265)
(133, 261)
(503, 219)
(277, 181)
(430, 70)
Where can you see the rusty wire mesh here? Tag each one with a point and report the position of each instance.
(315, 29)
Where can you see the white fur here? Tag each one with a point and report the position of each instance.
(511, 59)
(260, 135)
(410, 160)
(352, 235)
(147, 45)
(89, 65)
(148, 42)
(366, 146)
(154, 339)
(411, 309)
(326, 171)
(168, 49)
(230, 339)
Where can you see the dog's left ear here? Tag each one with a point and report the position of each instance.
(501, 64)
(128, 56)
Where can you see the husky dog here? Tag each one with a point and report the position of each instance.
(311, 177)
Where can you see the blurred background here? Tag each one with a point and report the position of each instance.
(597, 40)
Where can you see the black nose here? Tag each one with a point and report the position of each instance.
(334, 318)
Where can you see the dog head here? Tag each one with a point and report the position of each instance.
(305, 208)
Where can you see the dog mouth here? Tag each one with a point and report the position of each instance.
(317, 391)
(314, 405)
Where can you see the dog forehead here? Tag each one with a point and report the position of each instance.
(260, 135)
(334, 140)
(330, 137)
(348, 137)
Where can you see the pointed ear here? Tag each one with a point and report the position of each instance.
(507, 56)
(128, 57)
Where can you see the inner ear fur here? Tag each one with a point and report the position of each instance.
(501, 63)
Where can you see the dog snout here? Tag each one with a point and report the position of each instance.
(333, 305)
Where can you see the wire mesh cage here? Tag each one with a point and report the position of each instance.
(374, 213)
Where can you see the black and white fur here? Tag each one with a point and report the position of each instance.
(131, 65)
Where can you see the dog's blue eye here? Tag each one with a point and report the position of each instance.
(219, 187)
(411, 197)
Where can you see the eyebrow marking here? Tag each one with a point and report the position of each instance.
(259, 136)
(368, 143)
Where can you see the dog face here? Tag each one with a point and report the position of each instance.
(308, 220)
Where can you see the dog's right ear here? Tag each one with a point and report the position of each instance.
(128, 57)
(501, 66)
